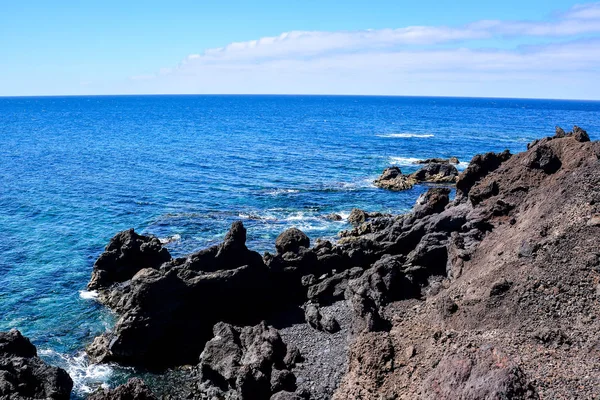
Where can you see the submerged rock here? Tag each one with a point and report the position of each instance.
(451, 160)
(24, 376)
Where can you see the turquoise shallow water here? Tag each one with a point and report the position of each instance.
(75, 170)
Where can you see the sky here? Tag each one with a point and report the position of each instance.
(525, 48)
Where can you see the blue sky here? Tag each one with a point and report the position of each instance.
(511, 48)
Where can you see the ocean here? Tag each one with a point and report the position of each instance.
(76, 170)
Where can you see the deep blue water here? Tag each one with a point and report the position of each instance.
(75, 170)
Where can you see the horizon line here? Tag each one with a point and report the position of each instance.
(293, 95)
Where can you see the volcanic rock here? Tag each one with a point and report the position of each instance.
(393, 179)
(24, 376)
(436, 173)
(291, 240)
(134, 389)
(125, 255)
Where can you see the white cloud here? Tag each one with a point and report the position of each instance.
(392, 61)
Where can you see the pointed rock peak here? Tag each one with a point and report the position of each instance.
(236, 234)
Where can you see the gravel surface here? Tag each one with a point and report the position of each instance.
(325, 354)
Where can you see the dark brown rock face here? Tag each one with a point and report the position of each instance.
(487, 374)
(498, 319)
(23, 376)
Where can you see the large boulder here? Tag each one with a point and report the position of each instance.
(24, 376)
(134, 389)
(291, 240)
(125, 255)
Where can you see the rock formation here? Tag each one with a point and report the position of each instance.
(392, 178)
(24, 376)
(491, 295)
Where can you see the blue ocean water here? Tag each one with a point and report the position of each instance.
(75, 170)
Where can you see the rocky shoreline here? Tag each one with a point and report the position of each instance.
(491, 295)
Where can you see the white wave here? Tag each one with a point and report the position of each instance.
(406, 161)
(88, 295)
(299, 216)
(406, 135)
(462, 165)
(278, 192)
(257, 217)
(170, 239)
(87, 376)
(344, 214)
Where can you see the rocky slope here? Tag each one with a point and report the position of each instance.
(492, 295)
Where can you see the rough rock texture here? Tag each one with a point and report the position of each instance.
(436, 173)
(514, 314)
(433, 172)
(246, 363)
(124, 256)
(134, 389)
(23, 376)
(291, 240)
(393, 179)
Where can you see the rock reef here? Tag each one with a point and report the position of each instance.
(490, 295)
(434, 171)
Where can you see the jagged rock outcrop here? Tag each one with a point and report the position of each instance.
(134, 389)
(392, 179)
(436, 173)
(24, 376)
(125, 255)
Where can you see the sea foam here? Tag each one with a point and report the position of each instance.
(87, 376)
